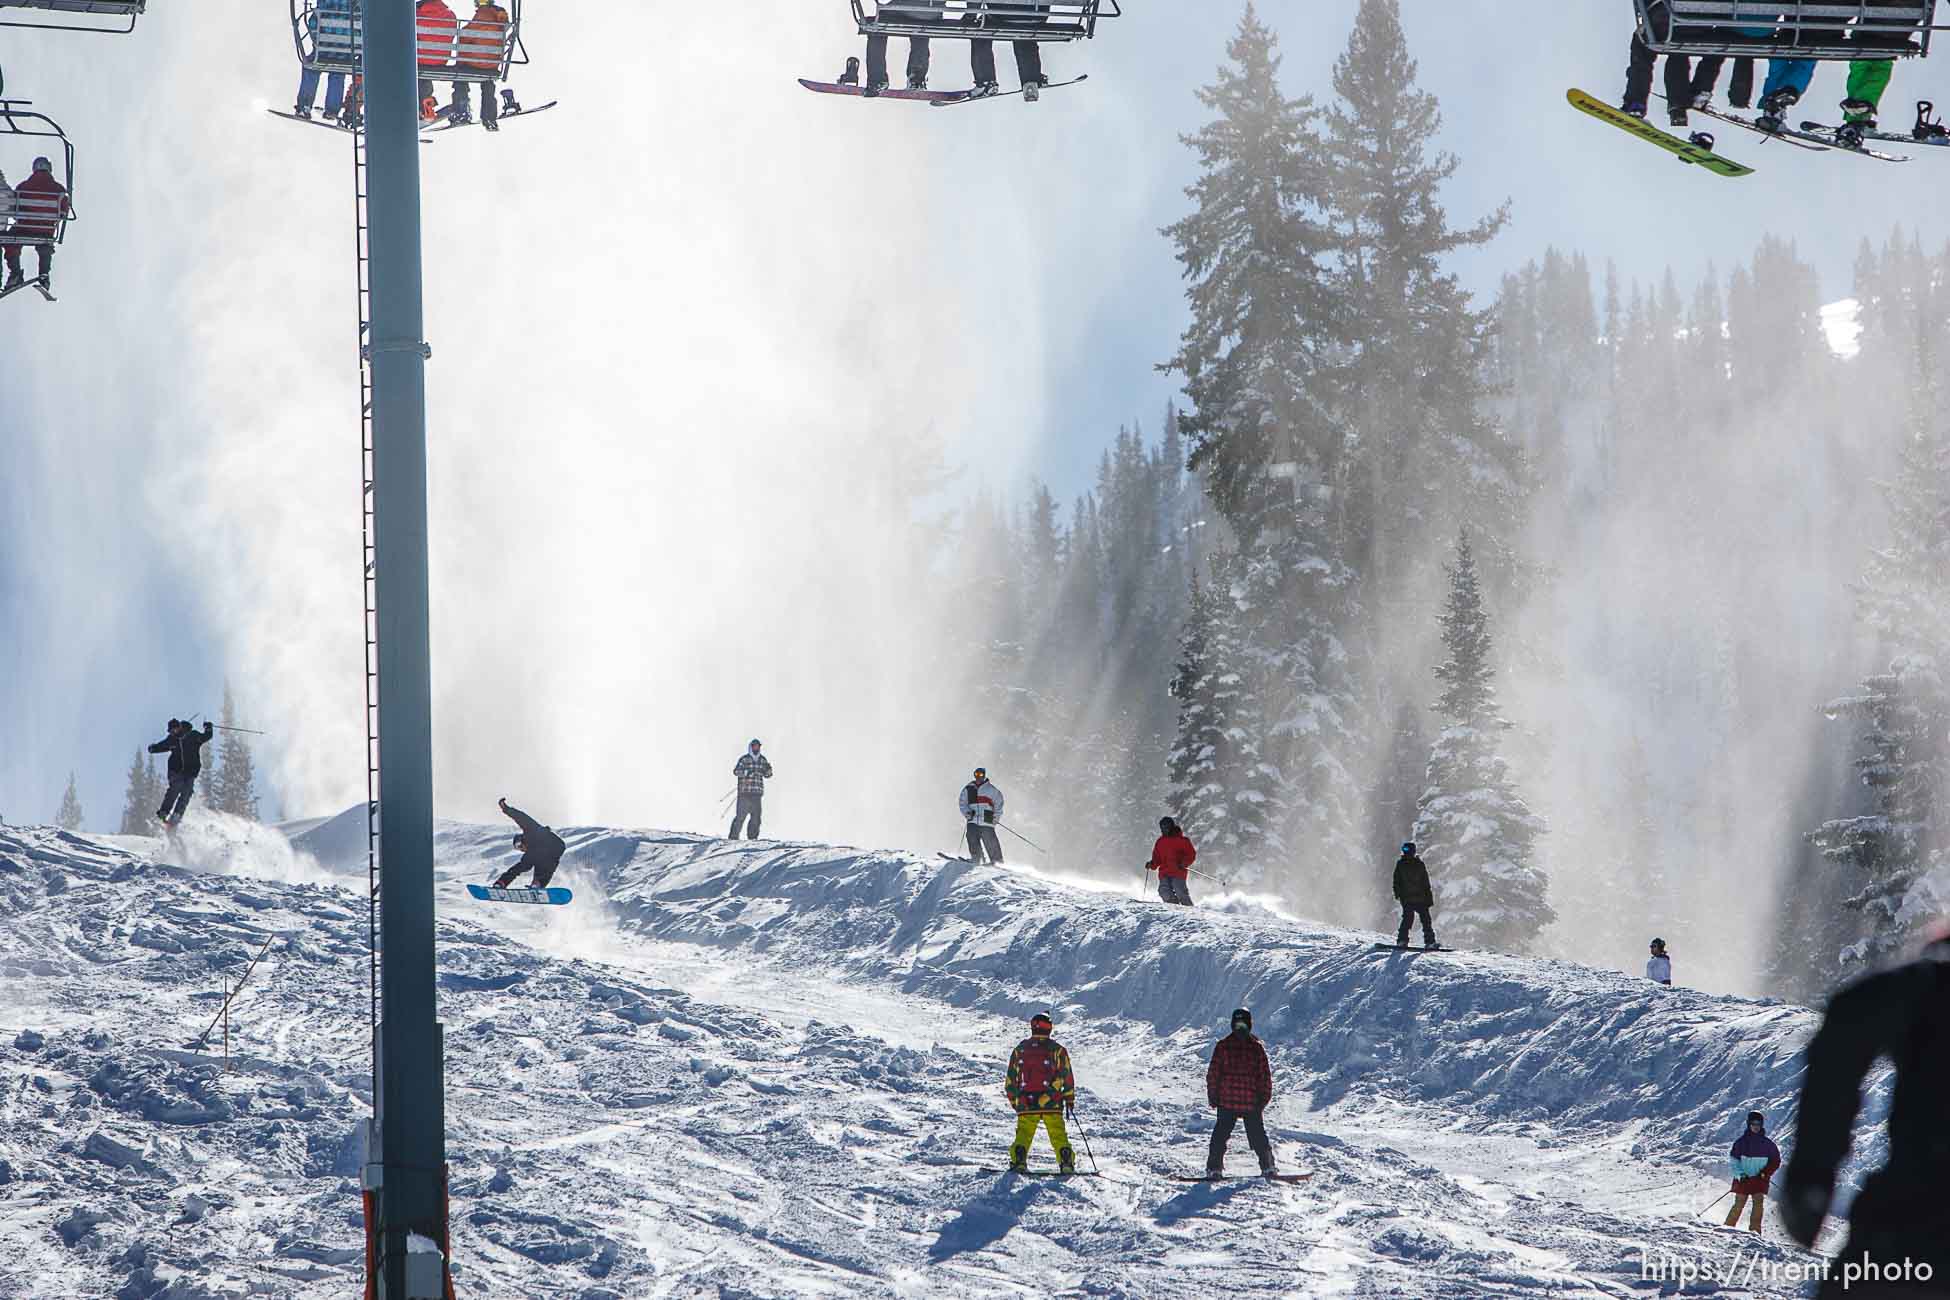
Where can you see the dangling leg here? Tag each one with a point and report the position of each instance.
(918, 58)
(44, 253)
(1740, 91)
(334, 94)
(1029, 67)
(876, 64)
(1867, 80)
(981, 60)
(307, 92)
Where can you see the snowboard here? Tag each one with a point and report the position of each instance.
(914, 96)
(1250, 1178)
(445, 123)
(1041, 1173)
(1826, 134)
(1926, 141)
(1748, 123)
(1394, 947)
(1684, 150)
(38, 284)
(968, 96)
(488, 894)
(329, 124)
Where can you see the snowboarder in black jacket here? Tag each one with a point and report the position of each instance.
(541, 849)
(1901, 1217)
(1413, 892)
(184, 745)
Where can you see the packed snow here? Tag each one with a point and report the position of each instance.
(772, 1069)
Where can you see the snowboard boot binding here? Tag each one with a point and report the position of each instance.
(1773, 106)
(1927, 128)
(1032, 90)
(983, 89)
(460, 117)
(508, 104)
(917, 81)
(1066, 1161)
(851, 75)
(1018, 1160)
(1703, 101)
(1704, 139)
(1268, 1171)
(1859, 112)
(874, 87)
(1849, 135)
(1633, 108)
(301, 111)
(1215, 1171)
(1676, 116)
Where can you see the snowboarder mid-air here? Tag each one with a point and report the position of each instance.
(1172, 857)
(1658, 967)
(981, 809)
(1753, 1162)
(1239, 1085)
(1413, 892)
(1041, 1087)
(1900, 1217)
(751, 769)
(541, 850)
(184, 745)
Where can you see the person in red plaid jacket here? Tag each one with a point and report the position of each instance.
(1239, 1083)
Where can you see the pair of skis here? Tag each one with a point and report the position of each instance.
(933, 98)
(38, 283)
(1699, 148)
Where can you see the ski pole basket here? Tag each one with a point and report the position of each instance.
(962, 20)
(328, 35)
(1790, 29)
(113, 16)
(37, 218)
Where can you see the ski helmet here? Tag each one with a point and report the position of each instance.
(1040, 1023)
(1408, 848)
(1755, 1117)
(1242, 1019)
(41, 164)
(981, 774)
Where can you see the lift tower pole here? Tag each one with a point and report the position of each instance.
(409, 1095)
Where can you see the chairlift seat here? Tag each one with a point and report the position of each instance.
(329, 34)
(1834, 30)
(37, 218)
(1010, 20)
(126, 10)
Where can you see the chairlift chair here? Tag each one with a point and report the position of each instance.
(17, 121)
(118, 15)
(328, 35)
(1010, 20)
(1790, 29)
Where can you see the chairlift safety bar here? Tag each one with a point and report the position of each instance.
(1792, 29)
(965, 20)
(328, 33)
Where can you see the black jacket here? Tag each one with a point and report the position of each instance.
(544, 848)
(1412, 882)
(1903, 1014)
(185, 749)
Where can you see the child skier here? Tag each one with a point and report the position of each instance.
(1041, 1087)
(1172, 857)
(1239, 1085)
(1754, 1160)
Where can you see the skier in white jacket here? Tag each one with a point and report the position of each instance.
(1659, 967)
(981, 808)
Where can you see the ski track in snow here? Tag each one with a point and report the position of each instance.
(775, 1069)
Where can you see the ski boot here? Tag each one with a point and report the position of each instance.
(1703, 101)
(1066, 1160)
(1215, 1171)
(460, 117)
(1431, 945)
(1676, 116)
(1859, 112)
(983, 89)
(1018, 1160)
(874, 87)
(1849, 135)
(1771, 108)
(508, 104)
(917, 81)
(851, 75)
(429, 110)
(1269, 1171)
(1032, 90)
(1927, 128)
(302, 112)
(1633, 108)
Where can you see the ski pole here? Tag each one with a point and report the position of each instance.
(1025, 839)
(1086, 1143)
(1721, 1197)
(1209, 876)
(245, 730)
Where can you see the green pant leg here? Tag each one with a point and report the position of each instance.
(1867, 79)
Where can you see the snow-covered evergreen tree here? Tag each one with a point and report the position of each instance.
(233, 786)
(1899, 843)
(140, 800)
(1472, 825)
(68, 817)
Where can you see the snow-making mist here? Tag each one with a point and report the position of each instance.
(776, 1069)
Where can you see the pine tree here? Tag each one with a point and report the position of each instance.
(1471, 821)
(69, 816)
(233, 786)
(139, 803)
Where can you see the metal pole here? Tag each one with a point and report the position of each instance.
(409, 1093)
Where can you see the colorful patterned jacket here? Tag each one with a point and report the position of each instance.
(1040, 1079)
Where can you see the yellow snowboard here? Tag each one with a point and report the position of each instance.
(1684, 150)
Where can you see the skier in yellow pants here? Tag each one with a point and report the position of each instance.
(1041, 1086)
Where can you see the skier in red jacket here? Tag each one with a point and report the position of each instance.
(40, 206)
(1239, 1084)
(1172, 857)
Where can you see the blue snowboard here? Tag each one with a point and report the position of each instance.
(488, 894)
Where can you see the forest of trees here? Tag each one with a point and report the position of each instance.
(1687, 525)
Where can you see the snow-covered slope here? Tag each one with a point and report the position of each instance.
(775, 1069)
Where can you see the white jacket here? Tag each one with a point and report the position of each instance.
(6, 201)
(981, 805)
(1660, 969)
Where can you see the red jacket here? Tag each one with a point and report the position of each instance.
(1239, 1078)
(40, 202)
(484, 38)
(437, 27)
(1172, 855)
